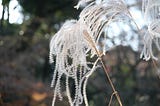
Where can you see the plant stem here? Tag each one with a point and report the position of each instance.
(111, 83)
(93, 46)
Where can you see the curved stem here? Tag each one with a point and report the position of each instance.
(93, 46)
(111, 83)
(110, 101)
(134, 21)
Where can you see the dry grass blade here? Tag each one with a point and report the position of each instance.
(90, 41)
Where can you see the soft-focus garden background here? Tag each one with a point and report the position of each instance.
(26, 27)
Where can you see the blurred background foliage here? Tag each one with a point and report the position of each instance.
(25, 73)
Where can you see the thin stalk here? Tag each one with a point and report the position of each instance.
(111, 83)
(110, 101)
(92, 43)
(134, 21)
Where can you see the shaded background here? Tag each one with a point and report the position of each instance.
(25, 73)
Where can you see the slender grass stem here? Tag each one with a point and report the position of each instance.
(93, 45)
(111, 83)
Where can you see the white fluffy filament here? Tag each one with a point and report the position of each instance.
(151, 11)
(69, 47)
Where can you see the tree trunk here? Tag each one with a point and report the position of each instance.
(2, 19)
(8, 13)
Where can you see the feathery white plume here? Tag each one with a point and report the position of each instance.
(69, 47)
(98, 16)
(72, 43)
(151, 11)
